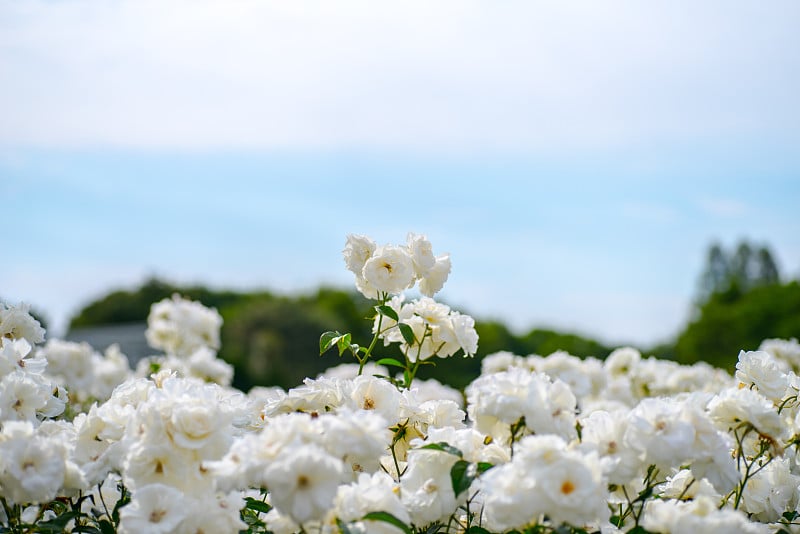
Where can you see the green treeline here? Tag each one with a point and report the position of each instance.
(273, 339)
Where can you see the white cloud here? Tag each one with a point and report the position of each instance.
(449, 75)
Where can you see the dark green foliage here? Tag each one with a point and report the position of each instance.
(736, 320)
(740, 303)
(544, 342)
(133, 306)
(274, 340)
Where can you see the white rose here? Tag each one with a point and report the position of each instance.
(422, 254)
(16, 322)
(357, 251)
(303, 482)
(435, 278)
(767, 373)
(390, 269)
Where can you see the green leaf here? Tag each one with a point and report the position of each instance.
(342, 343)
(461, 475)
(444, 447)
(58, 524)
(326, 340)
(106, 527)
(387, 518)
(390, 361)
(483, 467)
(87, 528)
(477, 530)
(258, 506)
(387, 311)
(251, 518)
(407, 333)
(791, 515)
(124, 499)
(644, 494)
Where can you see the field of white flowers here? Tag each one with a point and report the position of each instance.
(535, 444)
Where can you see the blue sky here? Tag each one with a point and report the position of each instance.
(576, 159)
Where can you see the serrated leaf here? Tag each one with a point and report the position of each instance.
(342, 343)
(387, 518)
(258, 506)
(444, 447)
(407, 333)
(390, 361)
(326, 340)
(461, 476)
(387, 311)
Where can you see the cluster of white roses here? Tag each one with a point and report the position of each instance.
(423, 328)
(188, 333)
(536, 443)
(34, 457)
(149, 435)
(86, 374)
(26, 394)
(154, 435)
(391, 269)
(437, 330)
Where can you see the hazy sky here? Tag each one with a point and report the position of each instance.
(575, 158)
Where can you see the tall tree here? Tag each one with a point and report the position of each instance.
(716, 276)
(743, 267)
(748, 267)
(767, 268)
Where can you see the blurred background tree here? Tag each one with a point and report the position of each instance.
(741, 302)
(748, 267)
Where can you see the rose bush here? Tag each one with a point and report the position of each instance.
(535, 444)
